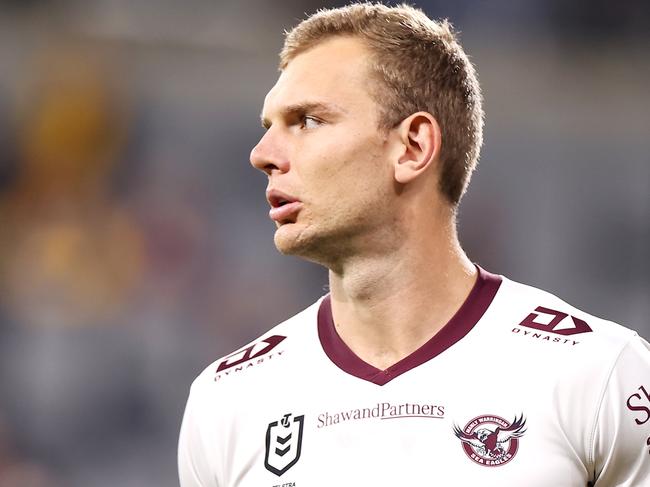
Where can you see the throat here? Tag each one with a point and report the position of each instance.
(378, 350)
(387, 326)
(383, 338)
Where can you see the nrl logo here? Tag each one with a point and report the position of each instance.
(490, 440)
(283, 444)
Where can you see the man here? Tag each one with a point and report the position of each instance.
(419, 368)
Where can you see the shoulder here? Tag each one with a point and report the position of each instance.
(557, 342)
(541, 314)
(546, 327)
(264, 356)
(593, 370)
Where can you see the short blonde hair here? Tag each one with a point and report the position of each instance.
(418, 65)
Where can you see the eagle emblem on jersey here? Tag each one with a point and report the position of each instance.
(283, 443)
(490, 440)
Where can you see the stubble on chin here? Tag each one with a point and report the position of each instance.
(291, 240)
(324, 248)
(303, 243)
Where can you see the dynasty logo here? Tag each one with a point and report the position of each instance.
(552, 326)
(490, 440)
(553, 321)
(283, 444)
(253, 355)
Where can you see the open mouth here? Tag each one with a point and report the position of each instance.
(285, 211)
(277, 199)
(284, 208)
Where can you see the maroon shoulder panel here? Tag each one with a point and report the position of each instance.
(470, 312)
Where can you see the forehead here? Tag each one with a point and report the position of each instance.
(334, 71)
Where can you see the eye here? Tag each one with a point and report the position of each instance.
(309, 122)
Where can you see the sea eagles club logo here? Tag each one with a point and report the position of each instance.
(490, 440)
(283, 444)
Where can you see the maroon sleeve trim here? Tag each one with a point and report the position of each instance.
(470, 312)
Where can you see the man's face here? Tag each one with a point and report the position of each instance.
(324, 154)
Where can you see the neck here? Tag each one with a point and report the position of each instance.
(386, 306)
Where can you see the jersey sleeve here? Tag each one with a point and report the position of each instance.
(621, 440)
(193, 466)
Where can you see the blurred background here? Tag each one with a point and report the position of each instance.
(135, 246)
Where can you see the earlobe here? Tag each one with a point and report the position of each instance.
(421, 141)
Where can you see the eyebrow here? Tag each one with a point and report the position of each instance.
(306, 107)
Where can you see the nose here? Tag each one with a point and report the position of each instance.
(269, 155)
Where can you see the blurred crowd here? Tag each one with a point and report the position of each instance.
(134, 244)
(99, 273)
(113, 279)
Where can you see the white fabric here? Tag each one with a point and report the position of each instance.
(581, 396)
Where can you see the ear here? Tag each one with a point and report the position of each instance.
(421, 138)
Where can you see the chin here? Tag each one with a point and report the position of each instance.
(314, 247)
(292, 239)
(286, 239)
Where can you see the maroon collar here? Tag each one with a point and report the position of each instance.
(461, 323)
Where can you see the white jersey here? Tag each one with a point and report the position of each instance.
(518, 389)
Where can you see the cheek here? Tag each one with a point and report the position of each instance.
(347, 157)
(367, 169)
(337, 167)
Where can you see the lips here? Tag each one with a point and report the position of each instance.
(284, 207)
